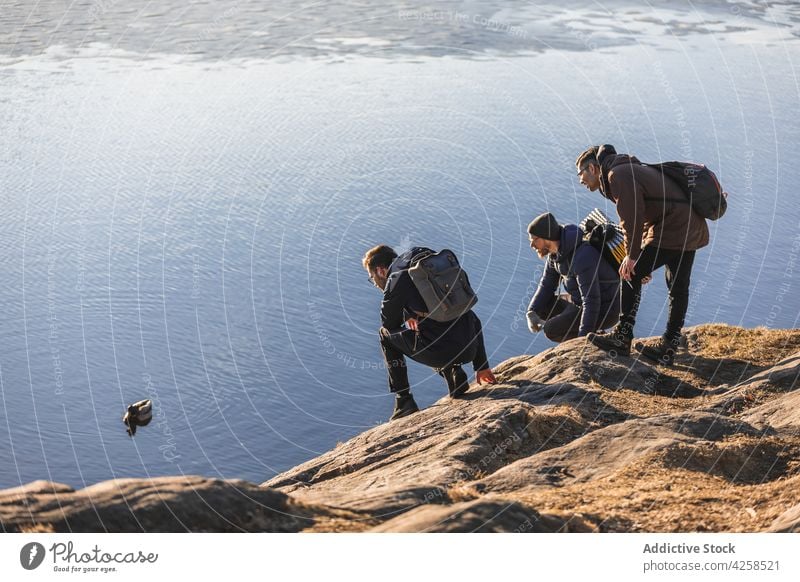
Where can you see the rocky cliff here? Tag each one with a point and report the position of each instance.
(568, 440)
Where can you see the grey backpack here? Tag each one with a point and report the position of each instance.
(443, 284)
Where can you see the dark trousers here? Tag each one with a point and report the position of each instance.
(437, 354)
(678, 271)
(563, 319)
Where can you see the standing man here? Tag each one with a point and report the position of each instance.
(592, 283)
(443, 346)
(661, 229)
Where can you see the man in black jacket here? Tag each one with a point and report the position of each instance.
(443, 346)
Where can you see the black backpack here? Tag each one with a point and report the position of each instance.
(606, 236)
(700, 186)
(443, 284)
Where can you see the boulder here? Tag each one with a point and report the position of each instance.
(164, 504)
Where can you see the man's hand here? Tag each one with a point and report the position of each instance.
(535, 322)
(485, 377)
(412, 324)
(626, 269)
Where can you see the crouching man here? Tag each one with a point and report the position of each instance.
(590, 281)
(405, 331)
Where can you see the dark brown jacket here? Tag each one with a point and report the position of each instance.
(652, 208)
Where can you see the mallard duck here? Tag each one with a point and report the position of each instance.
(138, 414)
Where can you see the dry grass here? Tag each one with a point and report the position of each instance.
(650, 496)
(721, 354)
(740, 484)
(636, 404)
(760, 347)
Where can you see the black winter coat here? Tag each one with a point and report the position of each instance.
(590, 280)
(402, 300)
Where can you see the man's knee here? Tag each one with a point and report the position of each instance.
(679, 287)
(553, 332)
(543, 314)
(638, 276)
(397, 342)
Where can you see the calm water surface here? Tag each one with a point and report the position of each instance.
(188, 189)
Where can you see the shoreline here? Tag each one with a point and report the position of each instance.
(568, 440)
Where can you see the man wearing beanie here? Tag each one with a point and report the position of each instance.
(590, 281)
(661, 229)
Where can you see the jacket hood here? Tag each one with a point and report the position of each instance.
(571, 235)
(403, 260)
(607, 164)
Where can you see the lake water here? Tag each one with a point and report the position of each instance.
(188, 189)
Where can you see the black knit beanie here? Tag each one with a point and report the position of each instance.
(545, 226)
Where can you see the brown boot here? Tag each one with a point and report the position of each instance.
(663, 353)
(404, 405)
(616, 342)
(457, 380)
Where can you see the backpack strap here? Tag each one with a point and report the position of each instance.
(419, 256)
(421, 315)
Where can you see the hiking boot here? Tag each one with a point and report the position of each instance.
(404, 405)
(662, 353)
(616, 342)
(457, 380)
